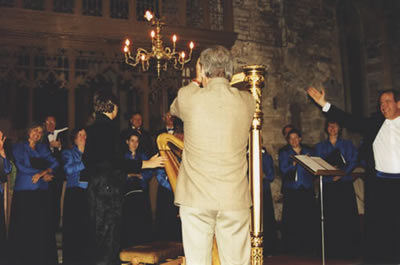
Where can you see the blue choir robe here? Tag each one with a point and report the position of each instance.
(146, 173)
(73, 166)
(22, 153)
(341, 219)
(136, 225)
(348, 152)
(76, 210)
(302, 177)
(36, 237)
(299, 214)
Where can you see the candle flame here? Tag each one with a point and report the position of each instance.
(148, 15)
(127, 42)
(183, 54)
(191, 45)
(174, 38)
(126, 49)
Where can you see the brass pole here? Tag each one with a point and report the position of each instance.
(254, 77)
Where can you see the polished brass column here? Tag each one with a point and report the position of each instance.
(254, 77)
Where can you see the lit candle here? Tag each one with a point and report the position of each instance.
(191, 45)
(183, 55)
(142, 57)
(127, 42)
(126, 49)
(148, 15)
(174, 38)
(152, 34)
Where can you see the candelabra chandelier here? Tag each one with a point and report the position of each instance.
(158, 52)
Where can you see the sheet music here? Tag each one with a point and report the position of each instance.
(315, 163)
(53, 137)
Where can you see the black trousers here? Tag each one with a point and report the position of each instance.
(382, 222)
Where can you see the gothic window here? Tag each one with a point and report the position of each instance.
(216, 14)
(6, 3)
(40, 65)
(194, 14)
(119, 9)
(186, 75)
(64, 6)
(55, 96)
(351, 52)
(62, 66)
(23, 62)
(170, 11)
(143, 5)
(34, 4)
(92, 7)
(81, 66)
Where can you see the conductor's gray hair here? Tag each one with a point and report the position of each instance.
(217, 61)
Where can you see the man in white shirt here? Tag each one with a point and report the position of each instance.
(381, 151)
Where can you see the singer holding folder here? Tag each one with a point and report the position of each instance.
(299, 216)
(342, 223)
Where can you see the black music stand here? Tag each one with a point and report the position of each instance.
(319, 167)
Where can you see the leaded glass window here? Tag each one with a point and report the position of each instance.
(64, 6)
(92, 7)
(119, 9)
(194, 14)
(216, 14)
(143, 5)
(6, 3)
(34, 4)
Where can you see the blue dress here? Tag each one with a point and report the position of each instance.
(136, 225)
(299, 214)
(76, 210)
(342, 223)
(168, 224)
(36, 237)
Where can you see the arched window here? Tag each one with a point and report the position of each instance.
(351, 48)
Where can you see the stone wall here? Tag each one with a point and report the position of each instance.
(297, 40)
(300, 43)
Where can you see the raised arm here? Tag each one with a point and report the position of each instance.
(348, 120)
(317, 96)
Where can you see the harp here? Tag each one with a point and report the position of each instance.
(252, 79)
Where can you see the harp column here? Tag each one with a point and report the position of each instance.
(254, 77)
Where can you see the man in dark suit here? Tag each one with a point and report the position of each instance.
(56, 141)
(168, 127)
(382, 183)
(145, 140)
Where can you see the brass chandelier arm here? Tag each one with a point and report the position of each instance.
(160, 53)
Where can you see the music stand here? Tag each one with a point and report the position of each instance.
(319, 167)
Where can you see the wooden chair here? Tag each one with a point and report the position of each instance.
(158, 252)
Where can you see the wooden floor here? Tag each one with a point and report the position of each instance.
(292, 260)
